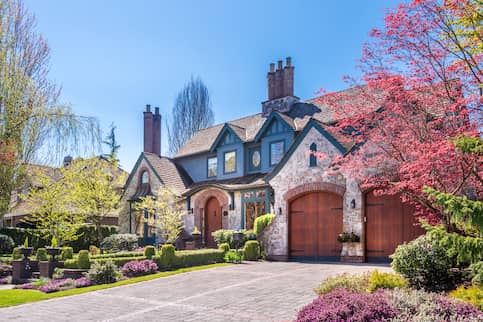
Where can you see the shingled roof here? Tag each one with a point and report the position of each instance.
(172, 175)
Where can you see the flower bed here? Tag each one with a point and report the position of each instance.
(56, 285)
(139, 268)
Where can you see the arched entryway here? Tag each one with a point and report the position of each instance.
(315, 220)
(213, 220)
(389, 223)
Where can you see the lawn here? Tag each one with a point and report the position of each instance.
(17, 297)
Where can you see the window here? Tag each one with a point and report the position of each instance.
(230, 162)
(212, 166)
(254, 159)
(277, 149)
(313, 157)
(145, 177)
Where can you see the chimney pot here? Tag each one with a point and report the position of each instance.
(156, 110)
(272, 67)
(148, 107)
(280, 65)
(288, 62)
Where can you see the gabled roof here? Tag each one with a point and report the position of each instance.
(237, 131)
(166, 170)
(274, 116)
(324, 129)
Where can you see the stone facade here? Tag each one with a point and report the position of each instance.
(298, 177)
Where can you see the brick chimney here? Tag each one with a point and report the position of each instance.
(152, 131)
(280, 85)
(148, 129)
(157, 132)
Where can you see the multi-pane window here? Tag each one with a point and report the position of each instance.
(212, 166)
(230, 162)
(277, 149)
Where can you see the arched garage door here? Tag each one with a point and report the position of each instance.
(315, 220)
(389, 223)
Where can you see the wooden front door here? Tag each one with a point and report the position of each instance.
(389, 223)
(315, 220)
(212, 220)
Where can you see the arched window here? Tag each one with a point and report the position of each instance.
(313, 157)
(145, 177)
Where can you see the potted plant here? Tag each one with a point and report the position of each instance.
(53, 250)
(196, 235)
(348, 238)
(26, 250)
(351, 247)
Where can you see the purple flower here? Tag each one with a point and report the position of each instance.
(5, 280)
(26, 286)
(139, 268)
(82, 282)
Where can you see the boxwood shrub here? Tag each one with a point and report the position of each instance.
(67, 253)
(252, 250)
(83, 260)
(167, 256)
(149, 252)
(42, 255)
(188, 258)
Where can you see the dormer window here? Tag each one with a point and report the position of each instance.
(145, 177)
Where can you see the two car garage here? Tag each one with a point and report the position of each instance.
(316, 218)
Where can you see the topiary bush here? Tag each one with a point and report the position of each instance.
(167, 256)
(225, 247)
(120, 242)
(345, 305)
(355, 283)
(17, 253)
(6, 244)
(149, 252)
(83, 260)
(425, 265)
(471, 294)
(252, 250)
(139, 268)
(262, 222)
(386, 281)
(42, 255)
(104, 273)
(67, 253)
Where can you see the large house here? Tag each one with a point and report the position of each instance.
(230, 173)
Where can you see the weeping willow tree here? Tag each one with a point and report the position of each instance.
(34, 126)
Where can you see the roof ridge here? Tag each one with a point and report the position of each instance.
(229, 122)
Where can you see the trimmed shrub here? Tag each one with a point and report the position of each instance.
(149, 252)
(167, 256)
(120, 242)
(425, 265)
(103, 273)
(252, 250)
(262, 222)
(118, 255)
(355, 283)
(17, 253)
(471, 294)
(93, 250)
(222, 236)
(418, 305)
(225, 247)
(139, 268)
(234, 257)
(71, 263)
(6, 244)
(188, 258)
(344, 305)
(42, 255)
(386, 281)
(67, 253)
(83, 260)
(119, 261)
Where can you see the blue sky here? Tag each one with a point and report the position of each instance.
(113, 57)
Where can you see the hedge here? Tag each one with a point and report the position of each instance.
(87, 236)
(188, 258)
(119, 261)
(117, 255)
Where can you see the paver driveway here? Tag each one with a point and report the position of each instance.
(262, 291)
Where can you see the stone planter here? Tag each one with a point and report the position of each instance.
(352, 252)
(53, 251)
(22, 270)
(197, 239)
(47, 268)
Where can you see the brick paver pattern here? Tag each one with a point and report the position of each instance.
(261, 291)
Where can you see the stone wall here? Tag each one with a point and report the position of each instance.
(297, 177)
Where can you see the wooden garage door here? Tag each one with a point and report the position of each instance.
(389, 223)
(315, 220)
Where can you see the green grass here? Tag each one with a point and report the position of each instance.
(17, 297)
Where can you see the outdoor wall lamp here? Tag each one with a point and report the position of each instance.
(353, 203)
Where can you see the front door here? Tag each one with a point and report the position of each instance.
(213, 220)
